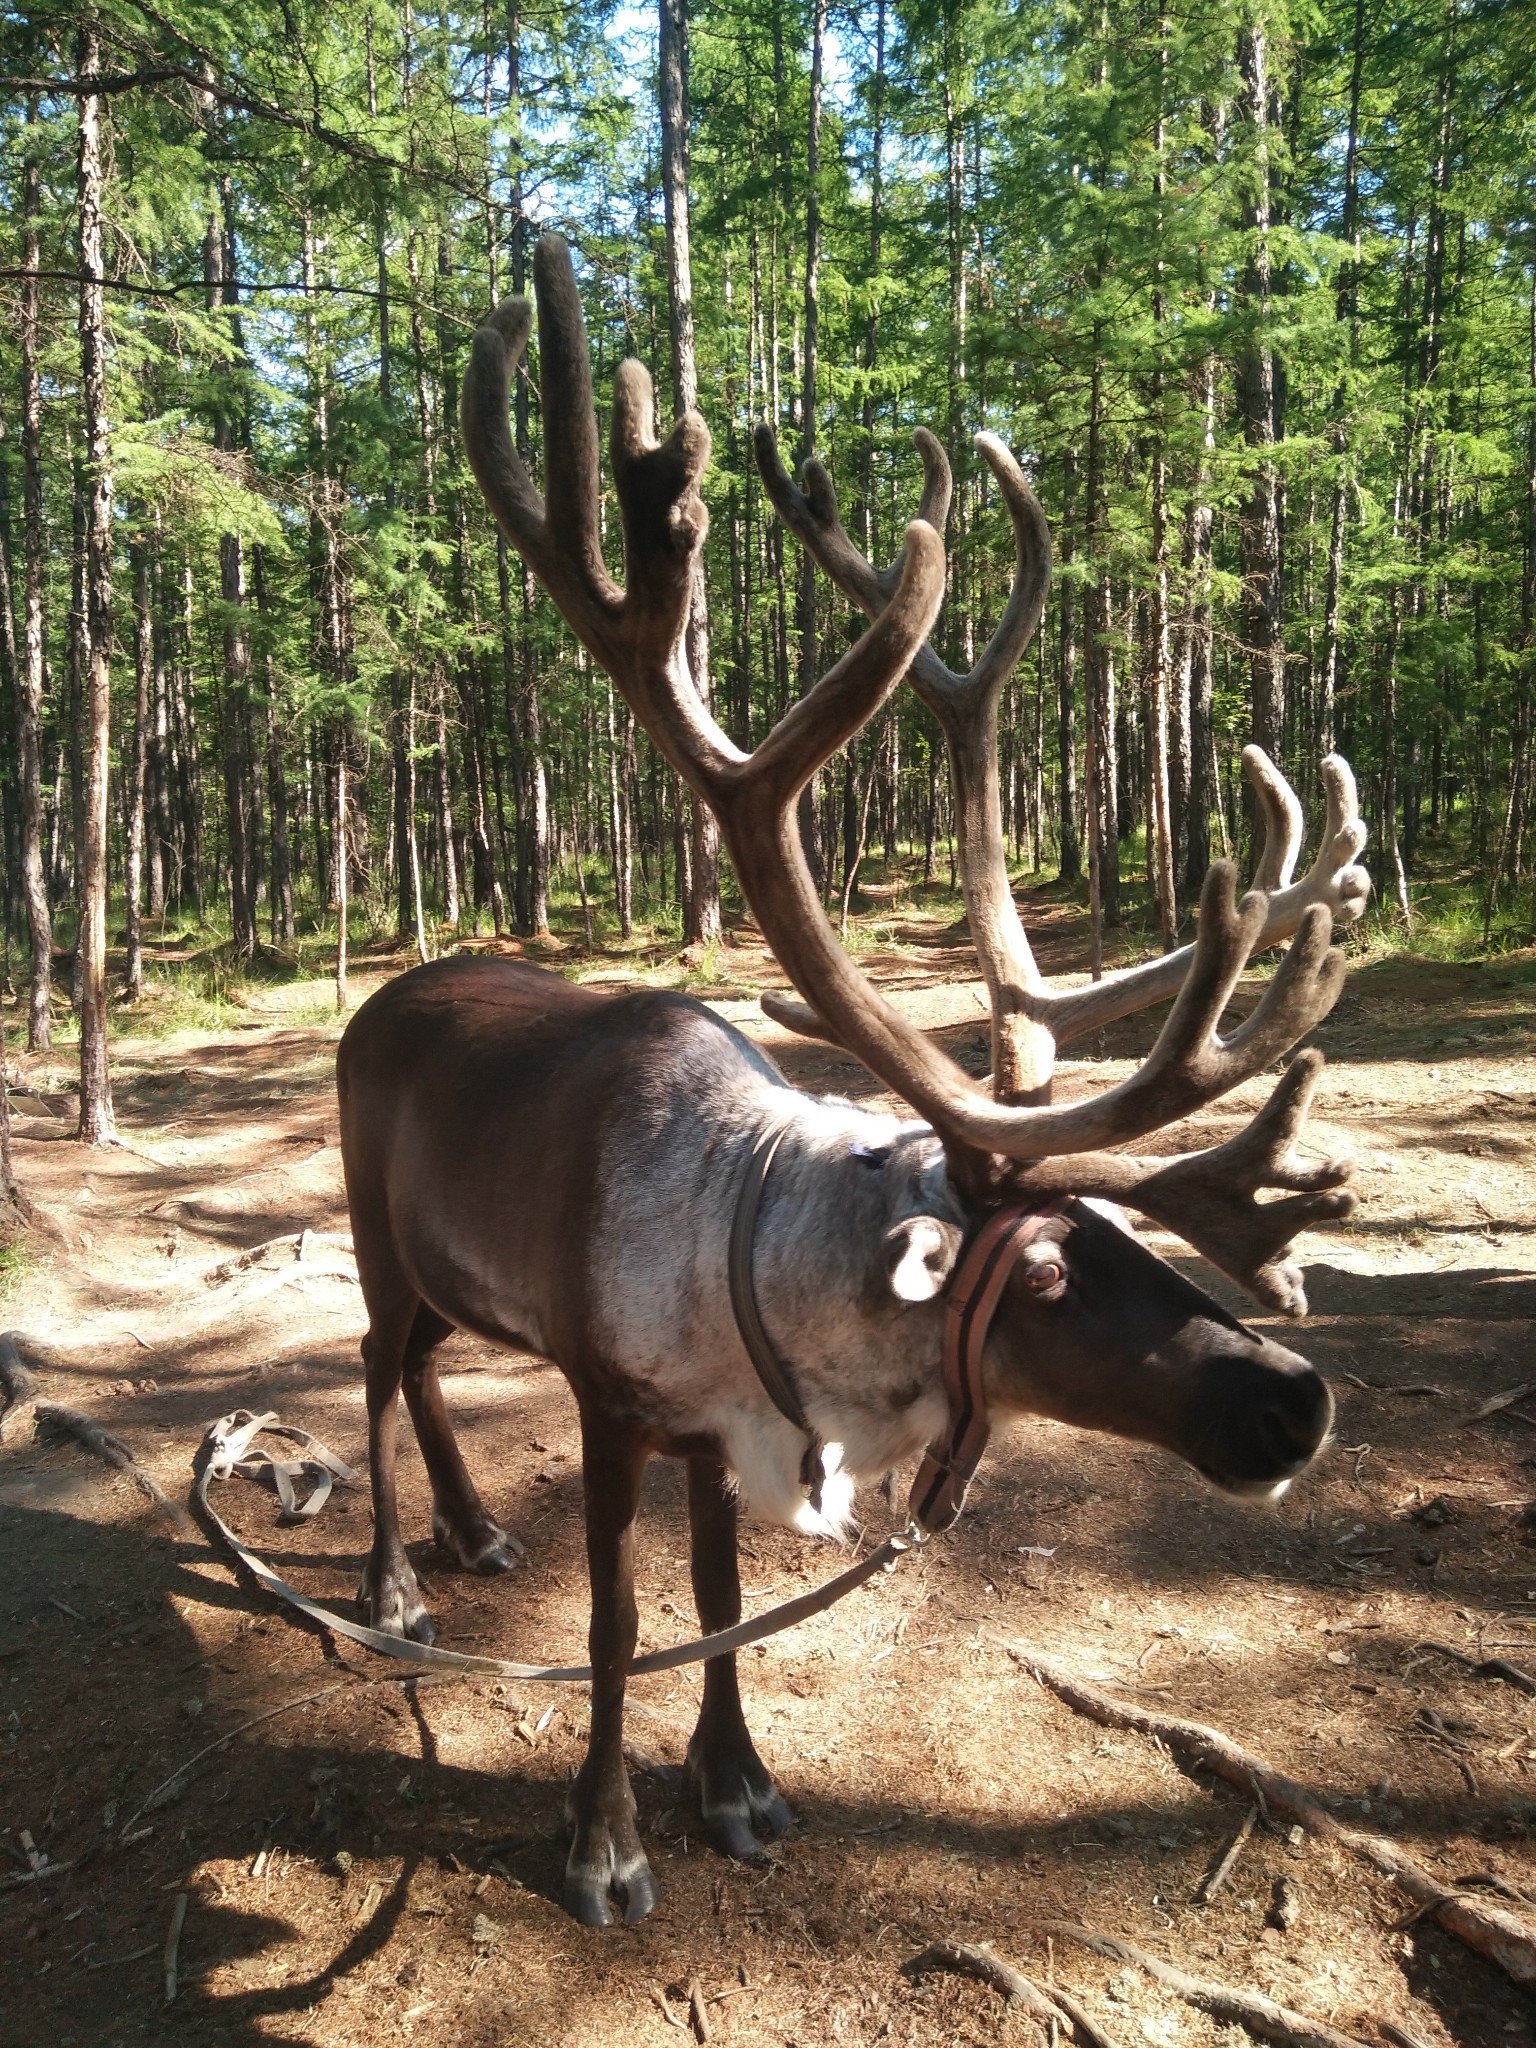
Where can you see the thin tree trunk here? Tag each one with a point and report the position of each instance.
(1256, 393)
(810, 649)
(702, 908)
(340, 864)
(29, 705)
(97, 1124)
(1160, 820)
(1069, 845)
(143, 691)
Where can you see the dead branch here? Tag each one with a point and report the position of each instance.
(1224, 1868)
(1499, 1936)
(45, 1870)
(1497, 1405)
(257, 1254)
(975, 1959)
(1087, 2029)
(173, 1945)
(173, 1783)
(1224, 2002)
(1484, 1667)
(697, 2011)
(114, 1452)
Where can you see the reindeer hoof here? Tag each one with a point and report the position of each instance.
(391, 1599)
(603, 1885)
(478, 1546)
(740, 1807)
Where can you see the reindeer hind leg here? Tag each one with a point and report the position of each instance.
(389, 1593)
(461, 1527)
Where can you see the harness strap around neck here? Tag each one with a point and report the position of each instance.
(939, 1490)
(776, 1375)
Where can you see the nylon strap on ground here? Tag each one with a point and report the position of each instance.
(226, 1450)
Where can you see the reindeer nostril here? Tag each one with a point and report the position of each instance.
(1292, 1430)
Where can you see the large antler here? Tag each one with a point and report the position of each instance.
(636, 633)
(1029, 1019)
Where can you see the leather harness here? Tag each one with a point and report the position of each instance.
(975, 1288)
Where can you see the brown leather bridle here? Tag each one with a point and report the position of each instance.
(975, 1289)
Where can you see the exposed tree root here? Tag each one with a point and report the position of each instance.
(1499, 1936)
(1056, 2011)
(19, 1386)
(1224, 2002)
(975, 1959)
(1485, 1667)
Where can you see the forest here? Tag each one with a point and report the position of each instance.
(1250, 287)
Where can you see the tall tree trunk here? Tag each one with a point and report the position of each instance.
(528, 727)
(1160, 809)
(702, 908)
(281, 900)
(97, 1124)
(143, 692)
(341, 865)
(1099, 672)
(221, 291)
(810, 649)
(1068, 842)
(29, 703)
(1256, 394)
(1348, 315)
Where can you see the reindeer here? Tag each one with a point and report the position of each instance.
(791, 1293)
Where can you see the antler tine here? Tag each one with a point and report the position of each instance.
(851, 691)
(1190, 1065)
(1335, 880)
(1209, 1197)
(483, 415)
(571, 485)
(1031, 579)
(965, 705)
(1283, 826)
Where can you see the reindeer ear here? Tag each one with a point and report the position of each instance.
(920, 1254)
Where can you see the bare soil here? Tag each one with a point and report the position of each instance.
(383, 1863)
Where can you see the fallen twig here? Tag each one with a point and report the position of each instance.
(1484, 1667)
(975, 1959)
(14, 1883)
(1499, 1401)
(1499, 1936)
(1400, 2036)
(173, 1944)
(255, 1255)
(114, 1452)
(1224, 2002)
(305, 1699)
(1223, 1870)
(697, 2011)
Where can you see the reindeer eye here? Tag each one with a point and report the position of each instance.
(1044, 1276)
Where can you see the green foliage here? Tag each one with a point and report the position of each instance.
(1037, 219)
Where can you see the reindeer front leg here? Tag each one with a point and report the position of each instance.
(607, 1866)
(737, 1799)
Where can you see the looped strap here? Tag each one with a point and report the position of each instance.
(774, 1372)
(975, 1289)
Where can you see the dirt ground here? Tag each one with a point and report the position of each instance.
(383, 1862)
